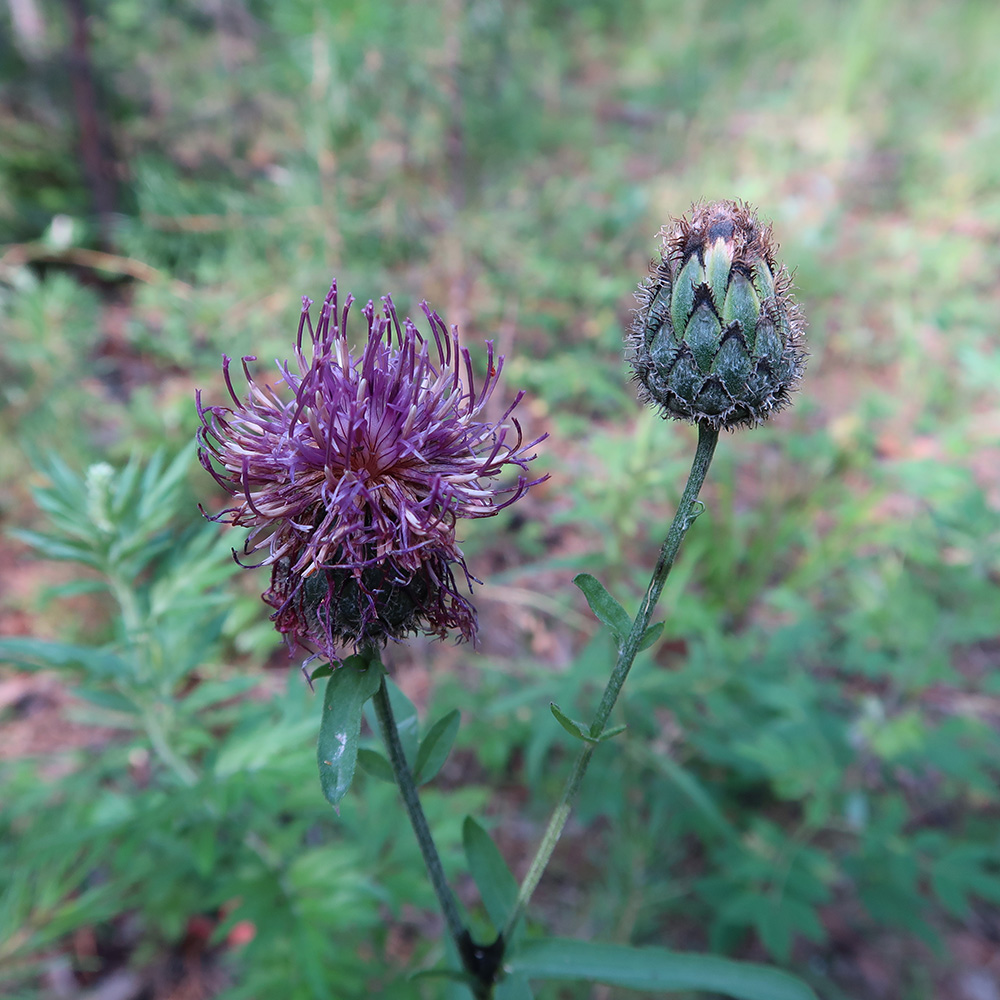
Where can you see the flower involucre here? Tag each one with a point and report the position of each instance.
(352, 487)
(717, 336)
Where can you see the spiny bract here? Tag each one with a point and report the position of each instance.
(717, 337)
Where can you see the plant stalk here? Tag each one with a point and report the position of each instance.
(411, 799)
(683, 519)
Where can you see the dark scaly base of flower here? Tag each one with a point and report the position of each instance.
(717, 336)
(336, 608)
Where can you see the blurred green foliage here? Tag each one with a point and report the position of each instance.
(816, 732)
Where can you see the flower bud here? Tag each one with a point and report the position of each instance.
(717, 335)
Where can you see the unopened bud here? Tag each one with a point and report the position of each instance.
(717, 337)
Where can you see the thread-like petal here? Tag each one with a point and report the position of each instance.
(353, 480)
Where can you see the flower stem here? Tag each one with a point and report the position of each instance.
(411, 799)
(683, 519)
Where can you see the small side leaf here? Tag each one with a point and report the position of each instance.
(435, 746)
(578, 729)
(650, 636)
(496, 884)
(326, 670)
(373, 763)
(604, 606)
(347, 690)
(654, 970)
(610, 734)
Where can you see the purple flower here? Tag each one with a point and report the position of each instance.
(353, 487)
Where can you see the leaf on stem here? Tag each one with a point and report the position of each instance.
(373, 763)
(580, 729)
(650, 636)
(513, 987)
(497, 886)
(604, 606)
(654, 969)
(347, 690)
(326, 670)
(112, 701)
(435, 747)
(35, 654)
(404, 712)
(209, 693)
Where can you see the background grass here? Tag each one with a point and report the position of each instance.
(809, 770)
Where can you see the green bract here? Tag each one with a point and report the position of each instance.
(717, 336)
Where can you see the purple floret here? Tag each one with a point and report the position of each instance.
(352, 488)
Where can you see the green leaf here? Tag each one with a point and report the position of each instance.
(253, 747)
(513, 987)
(57, 548)
(689, 786)
(407, 721)
(373, 763)
(39, 653)
(963, 871)
(450, 974)
(113, 701)
(496, 884)
(578, 729)
(650, 636)
(654, 969)
(604, 606)
(435, 746)
(779, 923)
(347, 690)
(212, 692)
(72, 589)
(610, 734)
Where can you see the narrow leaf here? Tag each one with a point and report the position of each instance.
(604, 606)
(435, 746)
(513, 987)
(113, 701)
(347, 690)
(689, 785)
(72, 589)
(212, 692)
(407, 722)
(450, 974)
(654, 969)
(610, 734)
(373, 763)
(36, 653)
(496, 884)
(320, 672)
(250, 748)
(650, 636)
(578, 729)
(57, 548)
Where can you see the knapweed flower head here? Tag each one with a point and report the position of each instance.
(717, 337)
(352, 478)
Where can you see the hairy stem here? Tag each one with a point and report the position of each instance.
(683, 519)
